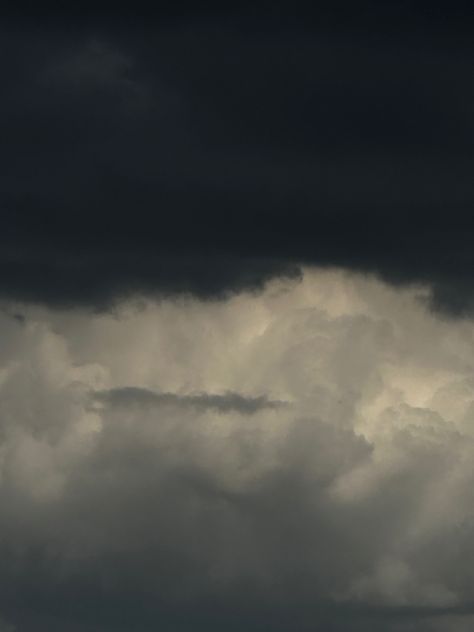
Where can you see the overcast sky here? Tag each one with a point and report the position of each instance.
(236, 317)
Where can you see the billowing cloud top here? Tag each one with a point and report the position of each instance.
(295, 458)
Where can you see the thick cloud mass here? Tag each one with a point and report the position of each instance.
(300, 458)
(172, 148)
(230, 396)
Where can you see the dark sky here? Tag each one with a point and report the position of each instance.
(206, 147)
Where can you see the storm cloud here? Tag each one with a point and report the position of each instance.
(167, 150)
(181, 497)
(236, 301)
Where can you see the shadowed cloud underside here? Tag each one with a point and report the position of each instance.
(166, 150)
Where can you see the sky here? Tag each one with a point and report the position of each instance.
(236, 316)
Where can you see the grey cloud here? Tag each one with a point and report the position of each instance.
(228, 402)
(5, 626)
(348, 510)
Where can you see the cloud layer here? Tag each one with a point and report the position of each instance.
(174, 149)
(301, 457)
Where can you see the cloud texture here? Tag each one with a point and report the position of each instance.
(297, 458)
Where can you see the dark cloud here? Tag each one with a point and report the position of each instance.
(171, 149)
(229, 402)
(199, 149)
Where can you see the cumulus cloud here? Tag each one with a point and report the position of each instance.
(299, 457)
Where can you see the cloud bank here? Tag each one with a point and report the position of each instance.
(295, 458)
(174, 149)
